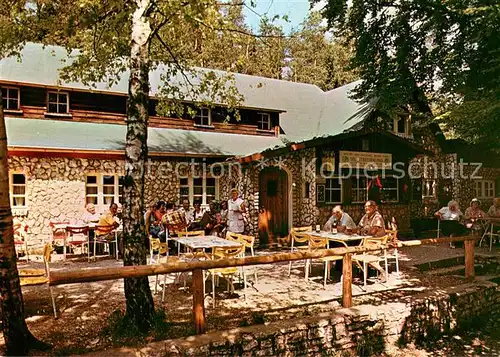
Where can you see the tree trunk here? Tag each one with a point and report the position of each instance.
(140, 306)
(18, 339)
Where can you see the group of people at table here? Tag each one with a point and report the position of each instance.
(454, 222)
(163, 219)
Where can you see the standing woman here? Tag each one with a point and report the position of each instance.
(236, 208)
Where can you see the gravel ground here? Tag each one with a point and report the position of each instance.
(85, 309)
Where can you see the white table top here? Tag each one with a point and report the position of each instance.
(337, 236)
(206, 242)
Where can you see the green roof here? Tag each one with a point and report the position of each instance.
(67, 135)
(308, 112)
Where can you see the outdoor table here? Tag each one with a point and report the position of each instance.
(338, 237)
(490, 223)
(206, 242)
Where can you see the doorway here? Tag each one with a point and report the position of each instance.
(273, 197)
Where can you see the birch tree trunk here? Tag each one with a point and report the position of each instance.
(18, 339)
(140, 306)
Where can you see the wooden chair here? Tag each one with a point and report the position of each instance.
(155, 245)
(298, 235)
(392, 253)
(227, 273)
(83, 232)
(100, 239)
(315, 244)
(372, 258)
(191, 234)
(33, 277)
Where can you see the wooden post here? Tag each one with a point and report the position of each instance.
(469, 259)
(347, 281)
(198, 301)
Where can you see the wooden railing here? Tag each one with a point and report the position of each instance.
(197, 267)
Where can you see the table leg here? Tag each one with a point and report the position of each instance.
(491, 236)
(64, 248)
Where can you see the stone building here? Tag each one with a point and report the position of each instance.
(297, 151)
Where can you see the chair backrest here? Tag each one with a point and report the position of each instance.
(235, 237)
(77, 229)
(247, 241)
(375, 242)
(105, 229)
(156, 244)
(227, 253)
(316, 243)
(299, 236)
(47, 255)
(191, 233)
(302, 229)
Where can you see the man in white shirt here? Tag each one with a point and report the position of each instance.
(187, 210)
(450, 217)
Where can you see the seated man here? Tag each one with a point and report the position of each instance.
(108, 219)
(494, 210)
(450, 217)
(372, 223)
(187, 210)
(339, 219)
(173, 221)
(209, 222)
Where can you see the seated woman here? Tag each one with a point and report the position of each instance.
(153, 218)
(472, 213)
(494, 210)
(450, 217)
(197, 216)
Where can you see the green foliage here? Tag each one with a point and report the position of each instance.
(421, 52)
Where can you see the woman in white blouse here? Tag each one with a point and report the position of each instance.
(236, 208)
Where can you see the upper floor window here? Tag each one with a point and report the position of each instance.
(401, 124)
(485, 189)
(264, 121)
(203, 117)
(10, 98)
(58, 102)
(103, 189)
(17, 190)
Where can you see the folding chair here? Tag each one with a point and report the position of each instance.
(20, 242)
(33, 277)
(101, 239)
(79, 231)
(315, 244)
(373, 257)
(298, 235)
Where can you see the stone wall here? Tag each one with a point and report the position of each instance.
(298, 165)
(364, 329)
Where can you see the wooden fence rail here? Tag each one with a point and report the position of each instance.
(197, 267)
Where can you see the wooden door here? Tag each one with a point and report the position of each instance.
(274, 199)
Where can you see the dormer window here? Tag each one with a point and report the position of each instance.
(401, 124)
(203, 117)
(10, 98)
(58, 102)
(264, 121)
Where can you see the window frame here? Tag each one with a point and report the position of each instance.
(434, 188)
(190, 186)
(58, 93)
(8, 88)
(100, 195)
(391, 189)
(262, 121)
(340, 188)
(406, 124)
(482, 183)
(11, 190)
(359, 188)
(201, 117)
